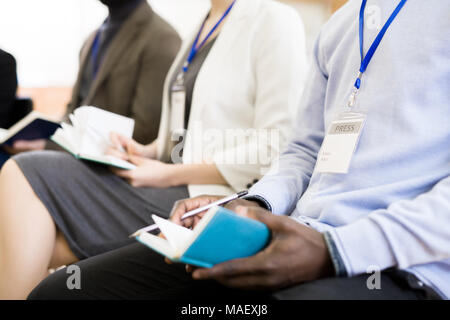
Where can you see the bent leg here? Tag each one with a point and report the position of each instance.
(135, 272)
(132, 272)
(94, 209)
(27, 235)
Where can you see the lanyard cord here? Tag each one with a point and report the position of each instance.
(195, 49)
(366, 60)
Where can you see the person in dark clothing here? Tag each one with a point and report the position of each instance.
(8, 88)
(123, 65)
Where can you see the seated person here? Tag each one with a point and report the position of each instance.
(8, 88)
(390, 212)
(239, 75)
(123, 66)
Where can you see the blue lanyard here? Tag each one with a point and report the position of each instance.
(365, 60)
(195, 49)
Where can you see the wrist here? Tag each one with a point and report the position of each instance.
(259, 201)
(150, 150)
(175, 175)
(326, 267)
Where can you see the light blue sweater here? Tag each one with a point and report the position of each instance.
(393, 207)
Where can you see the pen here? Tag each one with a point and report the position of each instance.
(196, 211)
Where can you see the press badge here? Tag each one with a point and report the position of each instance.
(340, 143)
(178, 102)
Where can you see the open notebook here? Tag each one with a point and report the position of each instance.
(87, 138)
(34, 126)
(221, 235)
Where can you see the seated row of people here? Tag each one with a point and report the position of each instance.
(363, 183)
(69, 200)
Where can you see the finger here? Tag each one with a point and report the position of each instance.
(116, 153)
(135, 160)
(132, 148)
(168, 261)
(272, 221)
(123, 139)
(161, 235)
(197, 219)
(127, 174)
(25, 145)
(121, 142)
(233, 268)
(178, 210)
(19, 145)
(183, 206)
(113, 136)
(255, 282)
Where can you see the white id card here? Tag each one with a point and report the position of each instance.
(340, 143)
(177, 111)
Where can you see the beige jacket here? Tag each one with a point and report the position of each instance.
(130, 80)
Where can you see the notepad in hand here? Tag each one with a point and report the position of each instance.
(87, 138)
(34, 126)
(221, 235)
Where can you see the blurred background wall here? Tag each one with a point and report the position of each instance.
(45, 36)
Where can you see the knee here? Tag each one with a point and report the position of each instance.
(9, 168)
(54, 287)
(41, 292)
(10, 173)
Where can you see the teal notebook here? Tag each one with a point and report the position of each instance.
(221, 235)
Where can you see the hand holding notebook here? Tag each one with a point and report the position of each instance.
(87, 138)
(221, 235)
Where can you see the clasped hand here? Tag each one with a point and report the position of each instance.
(295, 254)
(148, 172)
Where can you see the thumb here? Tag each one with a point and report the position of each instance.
(29, 144)
(115, 140)
(272, 221)
(132, 148)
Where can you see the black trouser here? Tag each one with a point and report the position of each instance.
(136, 272)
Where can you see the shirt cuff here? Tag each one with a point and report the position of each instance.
(260, 201)
(360, 252)
(336, 258)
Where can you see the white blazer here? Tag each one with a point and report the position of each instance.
(252, 78)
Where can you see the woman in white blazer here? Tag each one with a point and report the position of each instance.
(238, 95)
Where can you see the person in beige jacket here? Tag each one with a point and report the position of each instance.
(123, 65)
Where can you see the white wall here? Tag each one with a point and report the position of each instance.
(45, 36)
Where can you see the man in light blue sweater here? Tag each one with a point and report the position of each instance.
(390, 212)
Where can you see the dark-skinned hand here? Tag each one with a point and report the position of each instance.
(295, 254)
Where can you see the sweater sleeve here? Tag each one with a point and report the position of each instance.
(421, 223)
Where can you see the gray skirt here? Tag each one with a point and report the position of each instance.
(93, 208)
